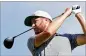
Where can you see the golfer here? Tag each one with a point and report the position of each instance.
(46, 42)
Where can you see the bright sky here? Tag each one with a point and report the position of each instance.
(12, 23)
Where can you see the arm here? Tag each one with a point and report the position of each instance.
(47, 33)
(82, 21)
(81, 39)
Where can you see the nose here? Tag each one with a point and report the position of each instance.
(33, 25)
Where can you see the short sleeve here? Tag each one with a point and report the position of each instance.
(30, 44)
(72, 38)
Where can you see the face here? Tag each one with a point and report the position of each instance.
(39, 24)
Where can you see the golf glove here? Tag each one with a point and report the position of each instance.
(76, 9)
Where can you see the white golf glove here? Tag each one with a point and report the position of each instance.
(76, 9)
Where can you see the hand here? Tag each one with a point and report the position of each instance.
(68, 11)
(76, 9)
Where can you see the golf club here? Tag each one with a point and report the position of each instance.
(8, 42)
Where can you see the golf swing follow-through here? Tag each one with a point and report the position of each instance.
(46, 41)
(8, 42)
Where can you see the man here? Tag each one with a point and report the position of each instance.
(45, 29)
(44, 44)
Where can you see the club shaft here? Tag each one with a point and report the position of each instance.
(22, 33)
(25, 31)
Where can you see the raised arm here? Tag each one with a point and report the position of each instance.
(81, 39)
(82, 21)
(53, 27)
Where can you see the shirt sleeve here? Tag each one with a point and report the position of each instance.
(72, 38)
(30, 44)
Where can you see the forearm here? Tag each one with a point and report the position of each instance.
(82, 21)
(57, 22)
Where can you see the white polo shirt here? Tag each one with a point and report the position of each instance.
(57, 46)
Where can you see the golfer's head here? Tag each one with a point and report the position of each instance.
(39, 21)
